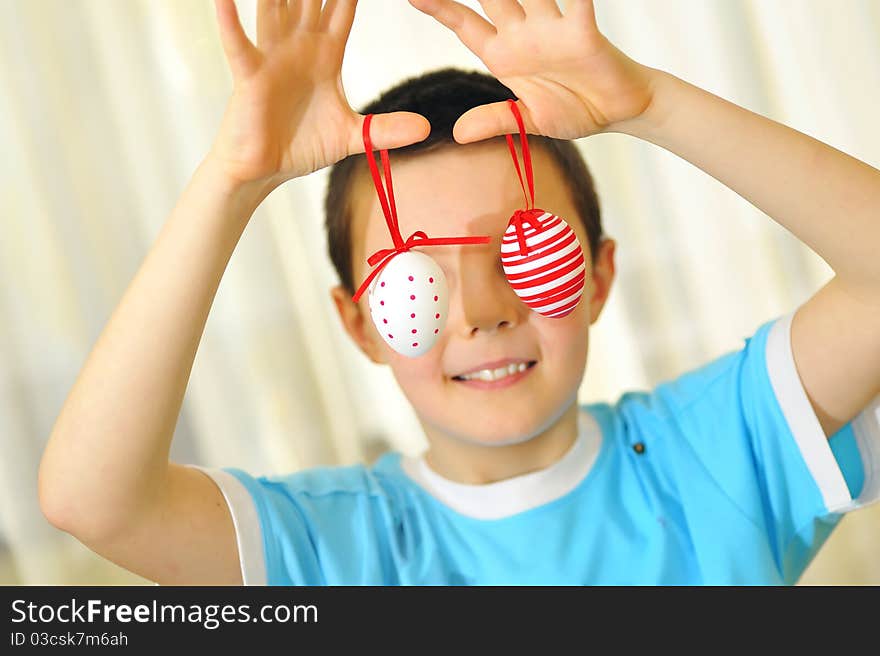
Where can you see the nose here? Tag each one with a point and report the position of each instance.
(483, 301)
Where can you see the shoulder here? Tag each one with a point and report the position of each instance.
(749, 362)
(303, 527)
(692, 392)
(358, 481)
(694, 418)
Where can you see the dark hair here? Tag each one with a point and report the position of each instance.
(442, 97)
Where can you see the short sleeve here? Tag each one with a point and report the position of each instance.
(846, 467)
(273, 538)
(747, 418)
(315, 526)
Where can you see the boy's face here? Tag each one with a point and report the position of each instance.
(473, 190)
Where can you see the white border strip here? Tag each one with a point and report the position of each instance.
(248, 533)
(866, 427)
(802, 421)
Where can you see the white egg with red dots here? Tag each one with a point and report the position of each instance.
(408, 301)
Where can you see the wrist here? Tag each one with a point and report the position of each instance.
(243, 195)
(653, 117)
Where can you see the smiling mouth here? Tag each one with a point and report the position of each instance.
(488, 377)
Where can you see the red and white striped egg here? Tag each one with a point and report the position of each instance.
(409, 300)
(550, 279)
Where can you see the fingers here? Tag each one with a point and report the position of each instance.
(583, 12)
(543, 8)
(473, 30)
(240, 52)
(310, 14)
(388, 131)
(502, 12)
(488, 121)
(294, 12)
(271, 21)
(337, 17)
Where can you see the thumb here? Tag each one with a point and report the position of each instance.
(492, 120)
(392, 130)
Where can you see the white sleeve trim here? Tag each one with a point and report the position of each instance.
(807, 430)
(866, 427)
(248, 533)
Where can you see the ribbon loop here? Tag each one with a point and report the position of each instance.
(527, 156)
(529, 214)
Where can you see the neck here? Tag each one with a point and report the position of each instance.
(473, 463)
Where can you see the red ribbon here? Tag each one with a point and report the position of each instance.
(526, 216)
(527, 157)
(418, 238)
(530, 214)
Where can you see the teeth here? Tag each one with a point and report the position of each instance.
(490, 375)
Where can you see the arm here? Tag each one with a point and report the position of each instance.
(572, 82)
(105, 476)
(826, 198)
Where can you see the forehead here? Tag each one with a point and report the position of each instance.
(454, 191)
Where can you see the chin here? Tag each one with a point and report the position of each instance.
(507, 440)
(513, 430)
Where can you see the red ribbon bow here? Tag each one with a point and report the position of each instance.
(418, 238)
(526, 216)
(530, 214)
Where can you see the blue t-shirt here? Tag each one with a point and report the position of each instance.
(720, 476)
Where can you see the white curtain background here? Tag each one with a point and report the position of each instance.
(108, 106)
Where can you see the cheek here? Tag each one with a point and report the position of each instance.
(574, 323)
(416, 371)
(564, 337)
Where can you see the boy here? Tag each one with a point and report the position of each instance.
(733, 473)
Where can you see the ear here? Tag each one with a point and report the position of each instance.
(359, 327)
(603, 277)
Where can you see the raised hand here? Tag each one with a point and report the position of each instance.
(288, 114)
(570, 81)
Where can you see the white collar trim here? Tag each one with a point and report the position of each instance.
(520, 493)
